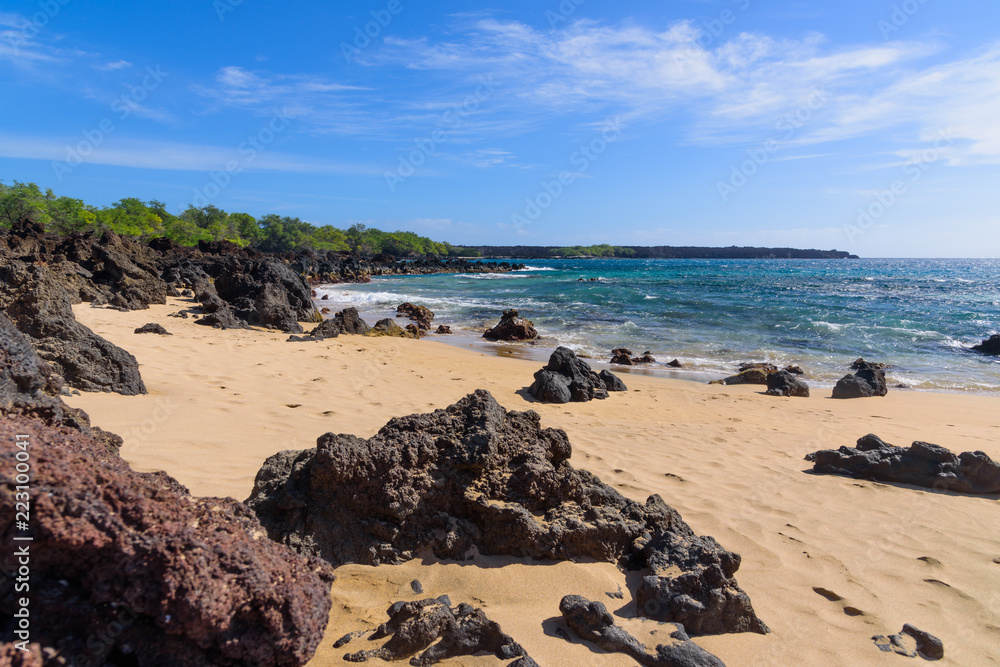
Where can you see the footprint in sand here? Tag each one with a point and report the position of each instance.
(833, 597)
(930, 561)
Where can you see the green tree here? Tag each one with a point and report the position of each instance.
(23, 200)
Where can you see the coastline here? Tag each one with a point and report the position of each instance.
(727, 458)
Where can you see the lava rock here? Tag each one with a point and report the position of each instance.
(923, 464)
(415, 331)
(29, 388)
(869, 381)
(989, 346)
(675, 363)
(267, 293)
(592, 622)
(794, 370)
(924, 644)
(346, 321)
(749, 376)
(645, 358)
(860, 364)
(39, 307)
(443, 329)
(416, 628)
(387, 327)
(189, 581)
(621, 356)
(783, 383)
(475, 478)
(567, 378)
(153, 328)
(421, 315)
(759, 366)
(511, 327)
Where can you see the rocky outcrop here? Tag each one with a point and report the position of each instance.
(621, 356)
(416, 628)
(388, 327)
(867, 382)
(749, 376)
(989, 346)
(266, 293)
(758, 365)
(475, 478)
(421, 315)
(911, 642)
(443, 329)
(860, 363)
(784, 383)
(511, 327)
(152, 328)
(346, 321)
(29, 388)
(39, 307)
(567, 378)
(923, 464)
(184, 581)
(592, 622)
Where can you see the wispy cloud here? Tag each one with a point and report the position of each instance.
(113, 66)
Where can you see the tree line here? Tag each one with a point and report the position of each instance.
(148, 220)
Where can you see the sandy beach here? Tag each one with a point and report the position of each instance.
(827, 561)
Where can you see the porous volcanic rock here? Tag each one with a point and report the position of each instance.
(621, 356)
(476, 478)
(758, 365)
(443, 329)
(749, 376)
(416, 627)
(346, 321)
(39, 307)
(567, 378)
(267, 293)
(511, 327)
(592, 622)
(29, 388)
(923, 464)
(860, 363)
(189, 581)
(421, 315)
(869, 381)
(783, 383)
(989, 346)
(152, 328)
(645, 358)
(388, 327)
(924, 644)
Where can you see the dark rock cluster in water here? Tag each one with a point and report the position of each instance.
(868, 381)
(475, 478)
(922, 464)
(511, 327)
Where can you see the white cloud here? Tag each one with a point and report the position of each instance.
(113, 66)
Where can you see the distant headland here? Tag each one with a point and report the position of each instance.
(654, 252)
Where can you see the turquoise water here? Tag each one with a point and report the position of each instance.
(921, 316)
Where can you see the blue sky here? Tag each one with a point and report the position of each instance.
(859, 125)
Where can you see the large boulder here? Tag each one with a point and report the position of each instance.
(29, 388)
(421, 315)
(265, 292)
(511, 327)
(39, 307)
(128, 569)
(346, 321)
(784, 383)
(867, 382)
(749, 376)
(989, 346)
(592, 622)
(475, 478)
(388, 327)
(923, 464)
(568, 378)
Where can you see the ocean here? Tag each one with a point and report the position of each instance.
(921, 316)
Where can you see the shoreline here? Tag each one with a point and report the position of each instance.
(728, 458)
